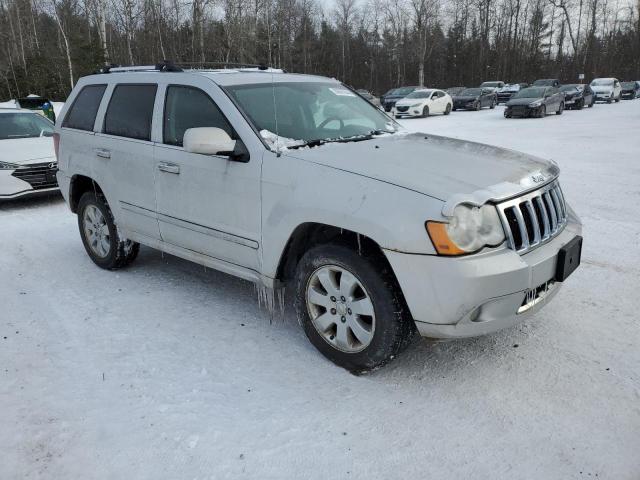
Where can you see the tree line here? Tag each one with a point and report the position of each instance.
(46, 45)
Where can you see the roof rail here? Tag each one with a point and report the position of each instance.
(259, 66)
(164, 66)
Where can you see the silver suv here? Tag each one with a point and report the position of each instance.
(294, 179)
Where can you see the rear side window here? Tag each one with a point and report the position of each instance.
(130, 111)
(82, 114)
(189, 107)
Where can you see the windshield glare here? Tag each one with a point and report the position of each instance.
(603, 82)
(472, 92)
(628, 84)
(530, 93)
(420, 94)
(568, 88)
(490, 84)
(24, 125)
(308, 111)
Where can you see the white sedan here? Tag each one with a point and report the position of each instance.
(422, 103)
(27, 158)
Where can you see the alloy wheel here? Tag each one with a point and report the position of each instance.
(96, 231)
(340, 308)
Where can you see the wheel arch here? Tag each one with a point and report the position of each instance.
(79, 185)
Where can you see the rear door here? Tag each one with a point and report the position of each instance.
(124, 152)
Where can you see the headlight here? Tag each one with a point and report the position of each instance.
(470, 229)
(7, 166)
(536, 104)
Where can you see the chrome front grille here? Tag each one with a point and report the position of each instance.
(534, 218)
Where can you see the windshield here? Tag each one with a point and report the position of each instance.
(530, 93)
(24, 125)
(491, 84)
(307, 112)
(403, 90)
(602, 82)
(568, 88)
(628, 84)
(420, 94)
(472, 92)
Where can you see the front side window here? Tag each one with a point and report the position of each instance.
(308, 112)
(188, 107)
(24, 125)
(130, 111)
(82, 114)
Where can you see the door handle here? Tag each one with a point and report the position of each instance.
(103, 153)
(169, 168)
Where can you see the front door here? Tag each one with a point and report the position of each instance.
(207, 204)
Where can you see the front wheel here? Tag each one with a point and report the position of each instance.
(477, 106)
(100, 235)
(447, 110)
(580, 104)
(349, 308)
(560, 109)
(493, 105)
(425, 111)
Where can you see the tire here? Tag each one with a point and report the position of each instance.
(618, 99)
(593, 102)
(105, 248)
(609, 100)
(477, 106)
(560, 109)
(425, 111)
(330, 323)
(580, 105)
(493, 105)
(543, 111)
(447, 110)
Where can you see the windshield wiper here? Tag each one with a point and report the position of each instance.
(354, 138)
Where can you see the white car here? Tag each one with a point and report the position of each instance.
(296, 180)
(27, 158)
(606, 89)
(423, 103)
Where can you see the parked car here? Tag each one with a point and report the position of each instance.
(422, 103)
(39, 104)
(295, 180)
(493, 85)
(389, 99)
(577, 96)
(453, 91)
(475, 99)
(27, 158)
(606, 89)
(546, 82)
(535, 102)
(369, 97)
(630, 90)
(505, 93)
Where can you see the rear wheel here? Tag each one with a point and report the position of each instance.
(349, 308)
(100, 235)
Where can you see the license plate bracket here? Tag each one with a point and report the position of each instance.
(568, 259)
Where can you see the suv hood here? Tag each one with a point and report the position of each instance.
(22, 151)
(465, 98)
(602, 89)
(439, 167)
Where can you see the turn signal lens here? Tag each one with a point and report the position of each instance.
(441, 241)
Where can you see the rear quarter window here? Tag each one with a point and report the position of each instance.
(82, 114)
(130, 111)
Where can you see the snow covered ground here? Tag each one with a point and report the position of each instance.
(167, 370)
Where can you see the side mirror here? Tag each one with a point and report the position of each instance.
(208, 141)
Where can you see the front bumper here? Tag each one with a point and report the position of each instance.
(30, 179)
(410, 112)
(478, 294)
(522, 111)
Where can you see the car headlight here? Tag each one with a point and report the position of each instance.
(469, 230)
(8, 166)
(535, 104)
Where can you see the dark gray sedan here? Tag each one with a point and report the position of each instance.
(535, 102)
(475, 99)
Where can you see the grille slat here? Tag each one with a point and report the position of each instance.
(534, 218)
(41, 175)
